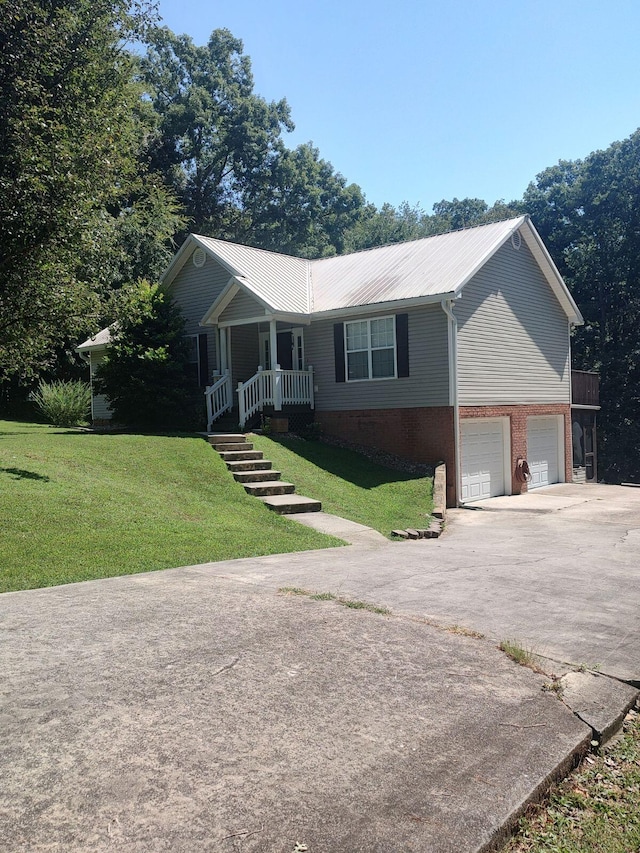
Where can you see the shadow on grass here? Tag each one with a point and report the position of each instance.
(21, 474)
(346, 464)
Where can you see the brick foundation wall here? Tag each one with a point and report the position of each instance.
(420, 434)
(518, 416)
(426, 434)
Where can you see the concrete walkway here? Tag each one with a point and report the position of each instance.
(199, 709)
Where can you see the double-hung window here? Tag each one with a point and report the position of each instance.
(370, 348)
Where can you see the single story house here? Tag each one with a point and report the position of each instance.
(451, 348)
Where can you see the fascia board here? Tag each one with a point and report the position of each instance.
(298, 319)
(552, 274)
(177, 262)
(230, 290)
(182, 255)
(490, 253)
(376, 307)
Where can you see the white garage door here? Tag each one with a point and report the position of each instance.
(483, 452)
(542, 451)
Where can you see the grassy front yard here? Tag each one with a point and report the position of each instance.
(349, 484)
(75, 506)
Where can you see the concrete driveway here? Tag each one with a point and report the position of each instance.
(199, 709)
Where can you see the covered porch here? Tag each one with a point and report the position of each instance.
(248, 380)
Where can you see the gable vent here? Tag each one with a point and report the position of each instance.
(199, 258)
(516, 240)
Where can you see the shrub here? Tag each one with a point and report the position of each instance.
(147, 377)
(64, 404)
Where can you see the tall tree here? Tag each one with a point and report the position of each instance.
(588, 211)
(68, 147)
(215, 136)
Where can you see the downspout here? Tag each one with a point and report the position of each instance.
(452, 327)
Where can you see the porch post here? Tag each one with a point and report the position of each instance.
(277, 375)
(273, 343)
(224, 363)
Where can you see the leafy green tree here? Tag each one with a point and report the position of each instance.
(68, 146)
(147, 376)
(303, 206)
(386, 225)
(215, 137)
(588, 212)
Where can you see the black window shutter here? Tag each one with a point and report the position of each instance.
(338, 349)
(203, 359)
(402, 343)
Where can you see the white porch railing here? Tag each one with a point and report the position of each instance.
(219, 398)
(274, 388)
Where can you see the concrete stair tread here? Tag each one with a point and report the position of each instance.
(248, 465)
(240, 455)
(230, 446)
(286, 504)
(269, 487)
(256, 475)
(225, 437)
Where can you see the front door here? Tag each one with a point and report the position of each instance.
(285, 350)
(290, 354)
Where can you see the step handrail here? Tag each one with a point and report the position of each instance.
(274, 388)
(219, 398)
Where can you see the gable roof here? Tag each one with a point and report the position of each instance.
(420, 270)
(423, 270)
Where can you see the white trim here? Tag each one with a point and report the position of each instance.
(397, 306)
(371, 377)
(489, 254)
(224, 298)
(590, 408)
(284, 318)
(452, 360)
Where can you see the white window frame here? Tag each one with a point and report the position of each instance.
(370, 350)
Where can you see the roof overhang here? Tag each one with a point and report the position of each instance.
(544, 261)
(184, 253)
(377, 307)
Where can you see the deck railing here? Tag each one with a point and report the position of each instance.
(219, 398)
(585, 388)
(274, 388)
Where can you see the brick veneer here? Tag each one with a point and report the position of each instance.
(426, 434)
(518, 417)
(421, 434)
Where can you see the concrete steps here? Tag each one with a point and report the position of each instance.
(255, 474)
(288, 504)
(268, 488)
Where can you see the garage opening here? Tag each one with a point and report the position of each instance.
(484, 452)
(545, 451)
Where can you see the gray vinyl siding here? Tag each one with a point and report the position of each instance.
(194, 290)
(513, 336)
(245, 353)
(100, 410)
(426, 385)
(242, 307)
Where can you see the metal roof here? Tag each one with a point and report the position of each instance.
(281, 281)
(100, 340)
(427, 267)
(418, 270)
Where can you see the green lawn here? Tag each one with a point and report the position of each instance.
(350, 485)
(596, 809)
(77, 505)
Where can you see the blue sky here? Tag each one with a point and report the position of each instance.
(420, 101)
